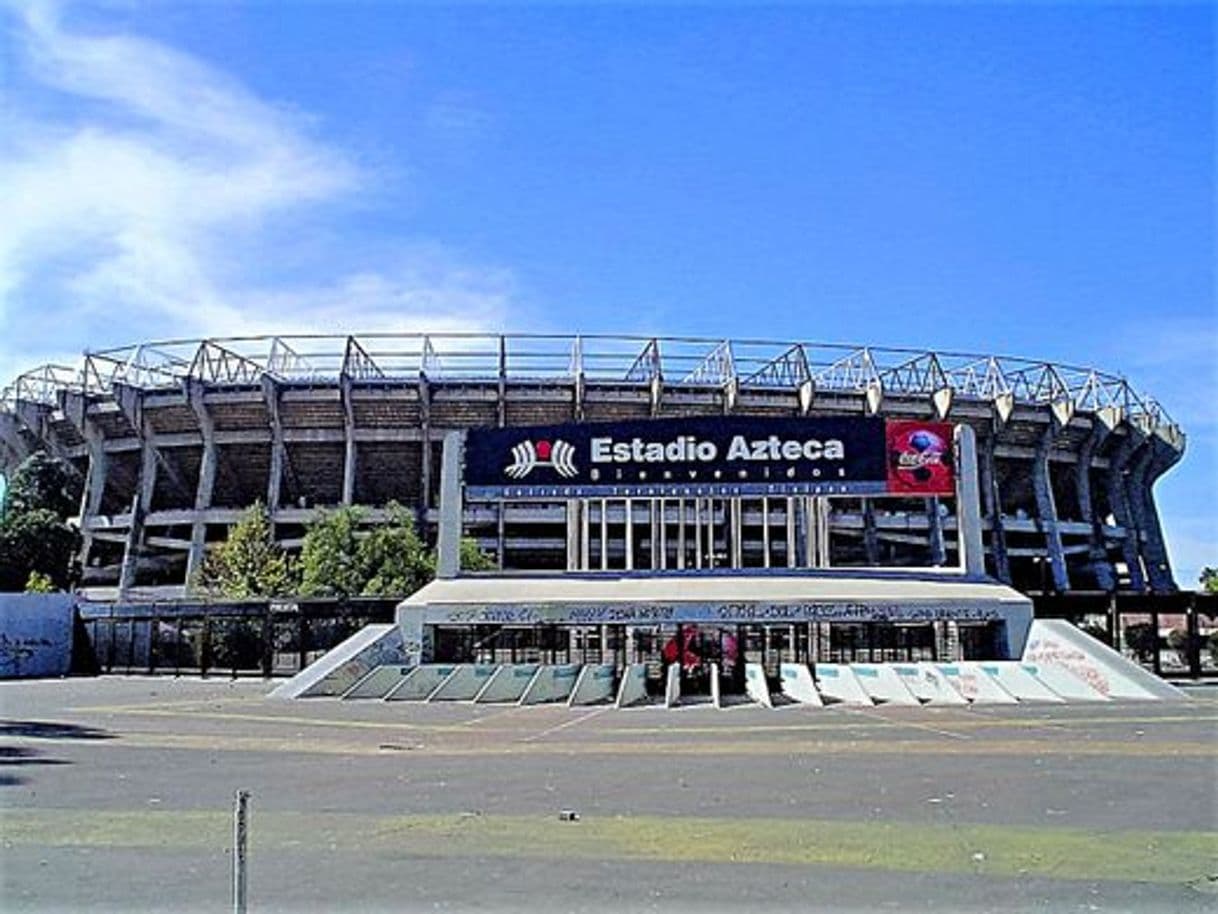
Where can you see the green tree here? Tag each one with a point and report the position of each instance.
(43, 482)
(35, 535)
(330, 563)
(36, 541)
(39, 583)
(392, 558)
(473, 558)
(1209, 579)
(249, 564)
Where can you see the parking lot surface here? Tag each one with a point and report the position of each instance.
(117, 794)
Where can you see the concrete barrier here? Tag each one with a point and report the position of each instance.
(507, 684)
(379, 683)
(633, 688)
(755, 685)
(977, 686)
(883, 685)
(594, 685)
(928, 684)
(420, 682)
(551, 683)
(1064, 682)
(797, 684)
(715, 689)
(464, 683)
(1011, 675)
(341, 667)
(1059, 642)
(837, 682)
(672, 686)
(36, 634)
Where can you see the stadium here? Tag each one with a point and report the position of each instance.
(174, 439)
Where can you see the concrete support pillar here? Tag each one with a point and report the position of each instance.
(94, 488)
(969, 543)
(1105, 576)
(1046, 510)
(574, 526)
(871, 540)
(425, 425)
(207, 476)
(991, 503)
(349, 454)
(274, 481)
(131, 549)
(1155, 459)
(934, 528)
(448, 539)
(1118, 501)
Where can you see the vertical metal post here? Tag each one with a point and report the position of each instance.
(629, 534)
(604, 534)
(585, 535)
(765, 531)
(240, 841)
(681, 534)
(697, 533)
(790, 518)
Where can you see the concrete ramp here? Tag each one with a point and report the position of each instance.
(977, 686)
(928, 684)
(883, 685)
(464, 683)
(633, 688)
(420, 682)
(1064, 682)
(594, 685)
(378, 683)
(343, 666)
(798, 685)
(1011, 675)
(1056, 641)
(507, 683)
(551, 683)
(837, 682)
(755, 685)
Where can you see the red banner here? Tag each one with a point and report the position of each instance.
(921, 458)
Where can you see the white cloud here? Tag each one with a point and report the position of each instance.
(145, 189)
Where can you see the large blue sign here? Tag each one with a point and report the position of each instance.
(726, 455)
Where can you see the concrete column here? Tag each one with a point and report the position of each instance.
(1046, 510)
(969, 542)
(934, 531)
(573, 533)
(1118, 501)
(448, 540)
(992, 505)
(274, 482)
(871, 541)
(349, 454)
(425, 424)
(207, 476)
(94, 488)
(1154, 460)
(131, 548)
(1105, 576)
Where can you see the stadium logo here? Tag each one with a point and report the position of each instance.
(527, 456)
(919, 458)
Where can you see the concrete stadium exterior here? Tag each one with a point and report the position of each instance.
(174, 439)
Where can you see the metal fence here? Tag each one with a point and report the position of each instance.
(1173, 635)
(257, 638)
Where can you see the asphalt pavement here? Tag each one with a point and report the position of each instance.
(116, 795)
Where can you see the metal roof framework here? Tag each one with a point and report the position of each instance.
(378, 358)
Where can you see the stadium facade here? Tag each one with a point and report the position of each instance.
(173, 440)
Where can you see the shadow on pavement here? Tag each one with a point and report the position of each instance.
(37, 729)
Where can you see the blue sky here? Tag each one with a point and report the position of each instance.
(1028, 179)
